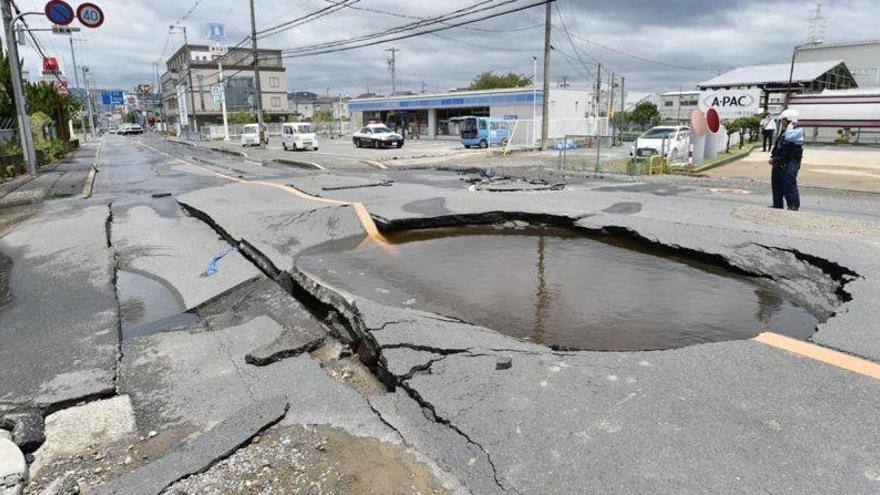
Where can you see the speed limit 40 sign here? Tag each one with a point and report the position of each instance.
(90, 15)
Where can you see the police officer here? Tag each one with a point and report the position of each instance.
(786, 161)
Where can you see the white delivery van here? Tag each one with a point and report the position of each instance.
(250, 135)
(298, 136)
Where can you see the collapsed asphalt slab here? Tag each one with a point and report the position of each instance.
(201, 452)
(196, 376)
(59, 332)
(546, 421)
(177, 249)
(515, 417)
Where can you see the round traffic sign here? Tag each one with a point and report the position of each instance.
(713, 120)
(59, 12)
(90, 15)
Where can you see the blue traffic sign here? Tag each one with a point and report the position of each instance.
(112, 98)
(60, 12)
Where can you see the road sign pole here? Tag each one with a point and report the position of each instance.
(89, 102)
(24, 127)
(223, 101)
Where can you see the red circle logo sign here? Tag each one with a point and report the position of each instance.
(713, 121)
(90, 15)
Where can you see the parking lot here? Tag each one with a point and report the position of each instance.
(342, 153)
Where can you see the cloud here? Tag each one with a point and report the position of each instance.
(706, 34)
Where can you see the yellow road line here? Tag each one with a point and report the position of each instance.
(359, 208)
(822, 354)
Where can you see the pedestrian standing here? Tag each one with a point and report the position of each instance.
(785, 158)
(768, 130)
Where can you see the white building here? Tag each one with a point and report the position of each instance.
(676, 106)
(572, 110)
(861, 57)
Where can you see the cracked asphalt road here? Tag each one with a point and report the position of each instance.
(486, 413)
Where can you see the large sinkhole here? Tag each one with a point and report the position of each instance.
(559, 287)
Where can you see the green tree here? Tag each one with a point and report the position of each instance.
(645, 115)
(241, 117)
(129, 118)
(294, 117)
(491, 80)
(322, 115)
(44, 98)
(7, 103)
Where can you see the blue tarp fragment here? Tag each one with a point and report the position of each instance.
(212, 265)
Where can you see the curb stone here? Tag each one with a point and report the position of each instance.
(13, 469)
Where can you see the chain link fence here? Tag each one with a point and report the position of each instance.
(596, 153)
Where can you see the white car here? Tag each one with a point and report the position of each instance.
(130, 129)
(298, 136)
(250, 135)
(376, 136)
(671, 141)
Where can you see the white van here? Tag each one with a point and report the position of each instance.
(250, 135)
(298, 136)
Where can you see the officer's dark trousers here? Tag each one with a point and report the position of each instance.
(783, 180)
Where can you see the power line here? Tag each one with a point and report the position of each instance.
(441, 18)
(37, 45)
(571, 41)
(287, 25)
(408, 16)
(645, 59)
(344, 45)
(189, 12)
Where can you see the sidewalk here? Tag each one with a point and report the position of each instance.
(65, 177)
(837, 167)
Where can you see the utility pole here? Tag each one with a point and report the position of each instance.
(545, 107)
(611, 97)
(82, 118)
(392, 66)
(622, 94)
(535, 101)
(258, 93)
(598, 89)
(189, 80)
(89, 101)
(24, 126)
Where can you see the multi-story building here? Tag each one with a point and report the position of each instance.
(676, 106)
(195, 63)
(306, 103)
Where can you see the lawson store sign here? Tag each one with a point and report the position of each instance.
(445, 101)
(731, 103)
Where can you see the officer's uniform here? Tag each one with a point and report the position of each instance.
(786, 158)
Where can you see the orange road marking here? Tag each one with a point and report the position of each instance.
(359, 208)
(822, 354)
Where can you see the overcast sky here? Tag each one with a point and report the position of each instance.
(686, 41)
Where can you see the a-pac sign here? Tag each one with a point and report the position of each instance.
(731, 103)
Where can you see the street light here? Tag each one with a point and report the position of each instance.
(192, 102)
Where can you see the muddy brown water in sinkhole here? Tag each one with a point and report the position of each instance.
(560, 288)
